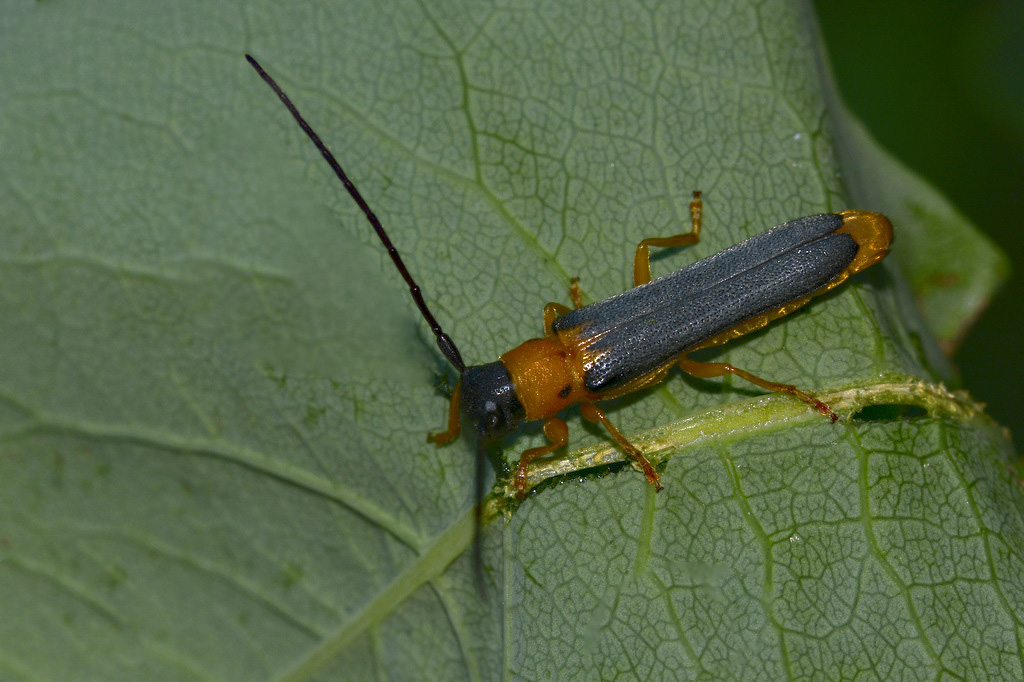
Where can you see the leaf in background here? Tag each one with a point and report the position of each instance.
(214, 389)
(952, 269)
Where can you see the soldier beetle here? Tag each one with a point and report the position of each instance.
(630, 341)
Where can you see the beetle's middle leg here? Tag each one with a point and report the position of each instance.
(595, 414)
(552, 311)
(705, 370)
(642, 261)
(575, 293)
(555, 310)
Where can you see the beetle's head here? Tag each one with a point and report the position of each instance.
(489, 400)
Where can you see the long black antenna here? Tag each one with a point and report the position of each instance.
(444, 342)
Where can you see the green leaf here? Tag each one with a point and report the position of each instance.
(952, 269)
(215, 389)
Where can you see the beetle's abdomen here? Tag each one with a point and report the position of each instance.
(630, 335)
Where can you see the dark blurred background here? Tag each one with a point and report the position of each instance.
(940, 84)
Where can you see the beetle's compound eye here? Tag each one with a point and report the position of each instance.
(491, 417)
(489, 400)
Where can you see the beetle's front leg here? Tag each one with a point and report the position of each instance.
(452, 433)
(557, 432)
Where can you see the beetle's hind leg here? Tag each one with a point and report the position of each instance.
(595, 414)
(705, 370)
(642, 261)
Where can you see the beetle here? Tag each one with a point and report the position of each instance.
(630, 341)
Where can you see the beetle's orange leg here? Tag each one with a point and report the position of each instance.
(555, 310)
(706, 370)
(575, 293)
(452, 433)
(551, 312)
(642, 261)
(595, 414)
(557, 432)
